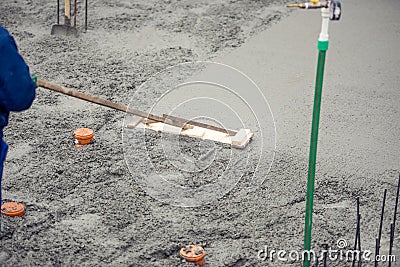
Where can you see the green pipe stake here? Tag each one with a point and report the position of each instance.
(322, 47)
(330, 10)
(313, 155)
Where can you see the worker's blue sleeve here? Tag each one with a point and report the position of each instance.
(17, 89)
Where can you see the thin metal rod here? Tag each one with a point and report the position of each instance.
(313, 154)
(380, 226)
(382, 216)
(355, 244)
(86, 13)
(391, 244)
(396, 204)
(70, 10)
(393, 225)
(75, 11)
(326, 247)
(359, 240)
(357, 231)
(376, 250)
(308, 6)
(58, 11)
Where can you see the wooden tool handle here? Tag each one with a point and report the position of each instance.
(199, 124)
(171, 120)
(67, 8)
(96, 100)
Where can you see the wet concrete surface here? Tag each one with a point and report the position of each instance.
(86, 207)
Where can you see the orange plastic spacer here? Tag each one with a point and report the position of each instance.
(83, 136)
(194, 254)
(13, 209)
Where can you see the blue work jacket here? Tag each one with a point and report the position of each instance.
(17, 89)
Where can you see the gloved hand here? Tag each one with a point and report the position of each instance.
(34, 78)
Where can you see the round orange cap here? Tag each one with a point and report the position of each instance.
(193, 253)
(13, 209)
(83, 136)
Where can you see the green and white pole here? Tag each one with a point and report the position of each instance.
(323, 42)
(330, 10)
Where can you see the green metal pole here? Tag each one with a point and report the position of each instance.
(322, 47)
(331, 10)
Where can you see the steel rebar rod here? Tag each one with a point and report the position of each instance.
(326, 247)
(86, 13)
(75, 12)
(393, 225)
(380, 227)
(396, 204)
(376, 250)
(357, 232)
(391, 244)
(316, 264)
(58, 12)
(359, 240)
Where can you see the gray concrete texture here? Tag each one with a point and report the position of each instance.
(91, 206)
